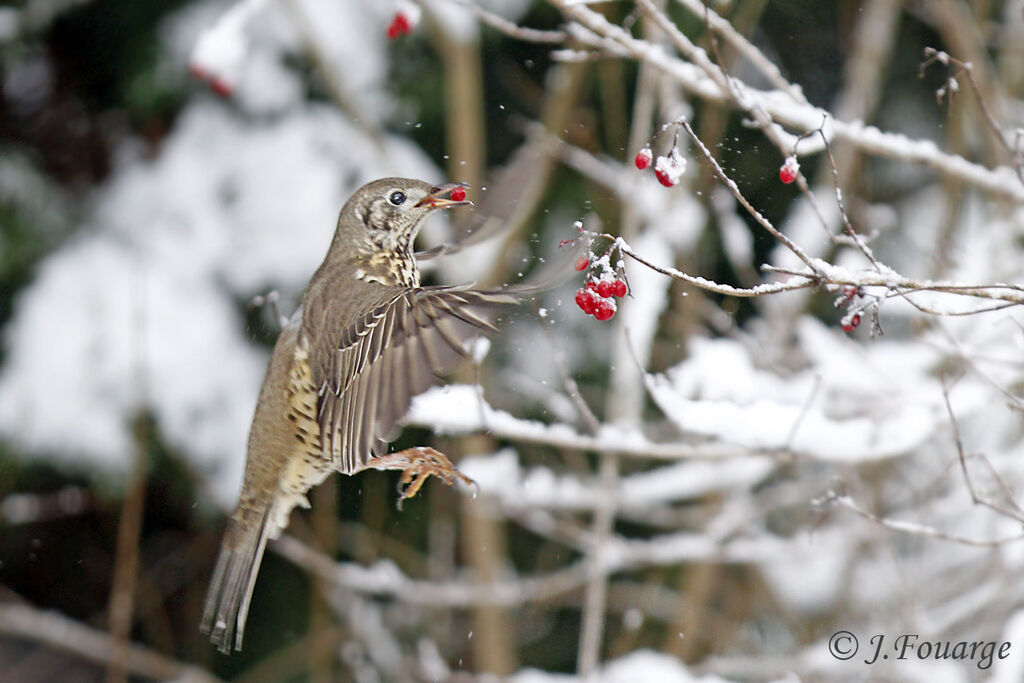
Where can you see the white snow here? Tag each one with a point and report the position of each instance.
(142, 309)
(640, 665)
(1011, 669)
(671, 166)
(830, 412)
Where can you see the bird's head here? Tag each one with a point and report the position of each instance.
(385, 215)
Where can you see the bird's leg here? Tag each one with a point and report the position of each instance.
(417, 464)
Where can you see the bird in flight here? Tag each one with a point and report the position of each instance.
(365, 339)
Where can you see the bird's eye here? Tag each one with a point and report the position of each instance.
(397, 197)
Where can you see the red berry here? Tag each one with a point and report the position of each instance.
(585, 300)
(221, 87)
(663, 177)
(591, 285)
(458, 194)
(643, 158)
(581, 263)
(788, 171)
(216, 83)
(399, 26)
(604, 309)
(604, 288)
(619, 288)
(850, 324)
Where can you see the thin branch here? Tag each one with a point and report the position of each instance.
(61, 633)
(1015, 514)
(386, 579)
(530, 35)
(573, 389)
(857, 239)
(966, 69)
(919, 529)
(597, 31)
(935, 311)
(744, 47)
(754, 213)
(900, 285)
(630, 442)
(803, 282)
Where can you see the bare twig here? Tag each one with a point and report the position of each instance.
(747, 49)
(385, 579)
(530, 35)
(919, 529)
(589, 419)
(1016, 513)
(121, 603)
(598, 32)
(59, 632)
(966, 70)
(900, 285)
(856, 238)
(754, 213)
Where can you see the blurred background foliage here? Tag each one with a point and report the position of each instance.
(81, 77)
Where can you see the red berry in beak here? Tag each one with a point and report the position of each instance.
(458, 194)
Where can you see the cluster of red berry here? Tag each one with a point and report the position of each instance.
(667, 169)
(407, 15)
(399, 26)
(218, 84)
(597, 297)
(846, 298)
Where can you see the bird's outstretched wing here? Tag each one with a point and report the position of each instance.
(389, 356)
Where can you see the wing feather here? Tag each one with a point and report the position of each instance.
(390, 355)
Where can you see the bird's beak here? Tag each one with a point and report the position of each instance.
(446, 197)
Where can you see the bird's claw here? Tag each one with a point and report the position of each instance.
(417, 465)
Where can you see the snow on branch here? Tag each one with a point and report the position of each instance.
(784, 106)
(501, 476)
(459, 409)
(384, 578)
(915, 528)
(53, 630)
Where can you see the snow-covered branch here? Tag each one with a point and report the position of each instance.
(787, 108)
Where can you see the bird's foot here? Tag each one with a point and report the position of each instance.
(417, 465)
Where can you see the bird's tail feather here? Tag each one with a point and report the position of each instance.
(234, 576)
